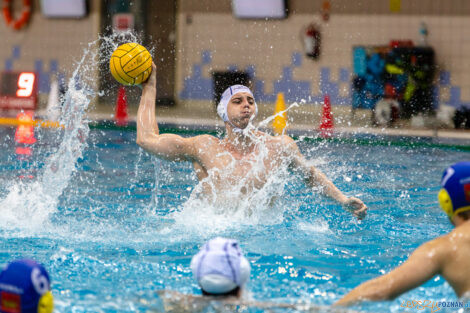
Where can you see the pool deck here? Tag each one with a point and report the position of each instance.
(303, 120)
(400, 130)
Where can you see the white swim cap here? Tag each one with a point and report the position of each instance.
(225, 98)
(220, 267)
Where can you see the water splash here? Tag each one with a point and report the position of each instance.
(28, 205)
(228, 199)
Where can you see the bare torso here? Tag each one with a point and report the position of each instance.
(455, 267)
(222, 167)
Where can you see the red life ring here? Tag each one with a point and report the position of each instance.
(24, 17)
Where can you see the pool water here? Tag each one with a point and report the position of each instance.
(116, 225)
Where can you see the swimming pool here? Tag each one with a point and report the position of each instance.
(119, 225)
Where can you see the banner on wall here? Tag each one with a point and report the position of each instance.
(401, 72)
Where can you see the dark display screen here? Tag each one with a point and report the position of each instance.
(9, 84)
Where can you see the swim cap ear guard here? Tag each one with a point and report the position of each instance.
(445, 202)
(454, 196)
(46, 303)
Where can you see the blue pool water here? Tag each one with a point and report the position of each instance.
(118, 225)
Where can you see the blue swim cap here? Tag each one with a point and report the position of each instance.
(25, 287)
(454, 197)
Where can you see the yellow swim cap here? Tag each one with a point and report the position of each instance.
(46, 303)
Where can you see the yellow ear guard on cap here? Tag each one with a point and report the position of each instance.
(46, 303)
(445, 202)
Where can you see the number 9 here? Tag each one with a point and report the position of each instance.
(25, 85)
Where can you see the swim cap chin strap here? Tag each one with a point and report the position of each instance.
(225, 99)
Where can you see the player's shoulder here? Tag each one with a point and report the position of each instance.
(459, 235)
(446, 246)
(204, 140)
(288, 143)
(437, 247)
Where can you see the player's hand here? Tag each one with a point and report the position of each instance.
(152, 80)
(356, 207)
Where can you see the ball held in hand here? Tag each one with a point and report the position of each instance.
(131, 64)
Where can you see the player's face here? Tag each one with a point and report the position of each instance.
(240, 108)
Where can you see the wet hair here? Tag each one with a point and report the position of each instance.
(465, 215)
(234, 292)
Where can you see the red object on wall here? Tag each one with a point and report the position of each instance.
(22, 20)
(312, 41)
(325, 10)
(400, 43)
(326, 126)
(121, 117)
(390, 91)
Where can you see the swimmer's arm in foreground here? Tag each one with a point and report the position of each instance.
(167, 146)
(423, 264)
(316, 178)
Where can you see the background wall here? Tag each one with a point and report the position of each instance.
(210, 38)
(48, 46)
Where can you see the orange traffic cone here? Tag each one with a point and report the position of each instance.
(121, 108)
(326, 126)
(25, 133)
(280, 120)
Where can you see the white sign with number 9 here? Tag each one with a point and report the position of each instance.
(40, 282)
(25, 85)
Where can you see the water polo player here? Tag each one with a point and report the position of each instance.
(25, 288)
(222, 272)
(447, 255)
(244, 159)
(220, 268)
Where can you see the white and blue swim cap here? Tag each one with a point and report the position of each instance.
(225, 98)
(220, 267)
(25, 287)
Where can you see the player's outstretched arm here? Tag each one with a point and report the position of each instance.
(316, 178)
(423, 264)
(167, 146)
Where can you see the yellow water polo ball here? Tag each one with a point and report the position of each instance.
(131, 64)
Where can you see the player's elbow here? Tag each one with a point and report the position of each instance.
(143, 142)
(140, 141)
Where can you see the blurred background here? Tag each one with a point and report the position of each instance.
(380, 63)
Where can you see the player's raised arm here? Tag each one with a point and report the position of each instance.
(167, 146)
(315, 178)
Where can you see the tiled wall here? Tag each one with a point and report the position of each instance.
(273, 52)
(48, 46)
